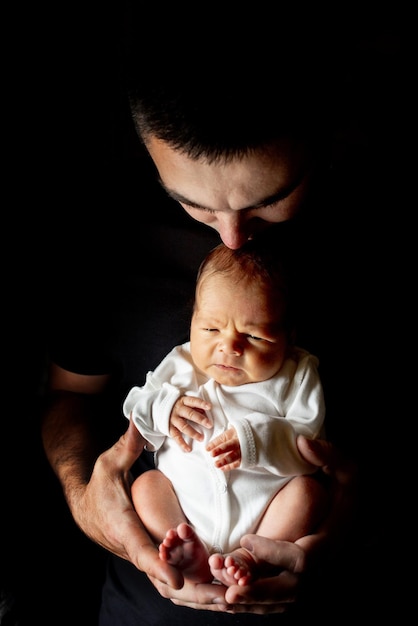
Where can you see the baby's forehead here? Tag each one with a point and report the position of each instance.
(219, 290)
(236, 276)
(212, 281)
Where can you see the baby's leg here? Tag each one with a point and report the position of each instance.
(159, 509)
(156, 503)
(294, 512)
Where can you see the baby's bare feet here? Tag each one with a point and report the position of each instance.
(235, 568)
(182, 548)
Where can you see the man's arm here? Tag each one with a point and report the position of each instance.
(97, 486)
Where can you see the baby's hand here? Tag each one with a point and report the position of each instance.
(227, 449)
(188, 409)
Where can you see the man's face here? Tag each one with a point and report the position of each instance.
(240, 197)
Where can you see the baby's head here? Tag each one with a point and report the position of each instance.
(241, 326)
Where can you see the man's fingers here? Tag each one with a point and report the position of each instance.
(194, 595)
(148, 561)
(325, 455)
(258, 596)
(316, 451)
(282, 554)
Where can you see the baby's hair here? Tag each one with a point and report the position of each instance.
(250, 261)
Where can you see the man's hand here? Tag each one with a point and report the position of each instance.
(290, 561)
(342, 472)
(274, 594)
(105, 513)
(116, 527)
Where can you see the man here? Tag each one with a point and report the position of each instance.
(238, 158)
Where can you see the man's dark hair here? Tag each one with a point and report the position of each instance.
(238, 92)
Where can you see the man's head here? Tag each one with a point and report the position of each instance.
(235, 130)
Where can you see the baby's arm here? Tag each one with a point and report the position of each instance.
(227, 450)
(185, 410)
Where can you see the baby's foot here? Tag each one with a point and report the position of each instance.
(182, 548)
(235, 568)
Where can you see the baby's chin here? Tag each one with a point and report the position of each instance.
(229, 376)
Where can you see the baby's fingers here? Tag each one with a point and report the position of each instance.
(228, 461)
(181, 428)
(179, 439)
(193, 409)
(226, 440)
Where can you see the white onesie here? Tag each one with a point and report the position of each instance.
(268, 416)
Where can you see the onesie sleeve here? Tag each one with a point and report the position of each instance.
(269, 441)
(150, 406)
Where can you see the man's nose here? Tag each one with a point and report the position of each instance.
(233, 230)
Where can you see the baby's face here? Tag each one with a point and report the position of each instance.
(236, 334)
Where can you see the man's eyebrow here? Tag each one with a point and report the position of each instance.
(275, 197)
(179, 198)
